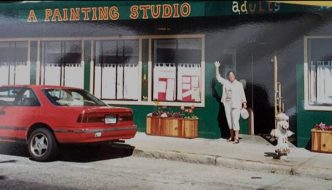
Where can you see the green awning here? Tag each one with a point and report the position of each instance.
(90, 11)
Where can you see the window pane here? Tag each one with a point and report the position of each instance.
(177, 70)
(72, 52)
(13, 63)
(164, 51)
(116, 71)
(106, 52)
(62, 63)
(189, 51)
(131, 51)
(13, 53)
(62, 52)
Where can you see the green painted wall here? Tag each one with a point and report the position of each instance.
(306, 119)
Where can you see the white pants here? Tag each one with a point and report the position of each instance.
(232, 116)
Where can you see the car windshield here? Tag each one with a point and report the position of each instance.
(72, 97)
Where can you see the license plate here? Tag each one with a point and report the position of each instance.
(110, 119)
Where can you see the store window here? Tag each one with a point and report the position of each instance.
(319, 73)
(177, 70)
(62, 63)
(116, 71)
(14, 63)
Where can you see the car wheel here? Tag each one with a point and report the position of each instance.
(42, 145)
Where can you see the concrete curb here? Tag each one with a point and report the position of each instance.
(234, 163)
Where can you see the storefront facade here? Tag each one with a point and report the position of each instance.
(148, 53)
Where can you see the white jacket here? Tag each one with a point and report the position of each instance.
(232, 91)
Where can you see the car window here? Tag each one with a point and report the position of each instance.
(17, 96)
(72, 97)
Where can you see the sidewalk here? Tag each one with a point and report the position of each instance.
(253, 153)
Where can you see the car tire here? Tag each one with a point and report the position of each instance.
(42, 145)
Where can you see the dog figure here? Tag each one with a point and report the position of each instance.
(282, 133)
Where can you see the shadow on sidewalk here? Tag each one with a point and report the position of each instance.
(95, 152)
(75, 153)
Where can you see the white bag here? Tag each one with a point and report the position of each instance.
(244, 113)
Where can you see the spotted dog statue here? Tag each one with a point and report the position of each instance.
(282, 133)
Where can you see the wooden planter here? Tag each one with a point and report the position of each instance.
(169, 127)
(321, 141)
(172, 127)
(189, 128)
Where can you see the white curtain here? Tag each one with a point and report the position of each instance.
(22, 75)
(119, 84)
(324, 83)
(164, 81)
(11, 75)
(115, 84)
(97, 80)
(108, 81)
(19, 73)
(105, 81)
(189, 84)
(52, 74)
(312, 84)
(74, 75)
(4, 74)
(131, 82)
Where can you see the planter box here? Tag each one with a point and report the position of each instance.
(189, 128)
(172, 127)
(321, 141)
(148, 125)
(169, 127)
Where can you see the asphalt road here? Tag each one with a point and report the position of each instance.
(105, 167)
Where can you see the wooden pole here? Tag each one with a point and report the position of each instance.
(275, 63)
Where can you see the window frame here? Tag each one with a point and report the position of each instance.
(307, 105)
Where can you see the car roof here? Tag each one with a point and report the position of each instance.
(39, 86)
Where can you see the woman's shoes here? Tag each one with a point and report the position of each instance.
(236, 141)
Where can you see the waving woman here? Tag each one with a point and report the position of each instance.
(234, 100)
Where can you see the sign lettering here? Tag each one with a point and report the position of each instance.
(106, 13)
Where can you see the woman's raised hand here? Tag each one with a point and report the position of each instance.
(217, 64)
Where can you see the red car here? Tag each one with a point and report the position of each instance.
(45, 116)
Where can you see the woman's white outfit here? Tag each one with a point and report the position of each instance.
(232, 97)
